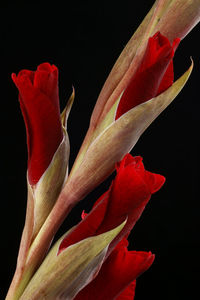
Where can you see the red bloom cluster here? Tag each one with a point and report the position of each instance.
(154, 74)
(39, 102)
(126, 199)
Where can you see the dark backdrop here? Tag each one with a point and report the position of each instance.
(84, 38)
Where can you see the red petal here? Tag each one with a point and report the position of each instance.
(116, 274)
(168, 77)
(122, 244)
(22, 74)
(155, 181)
(46, 80)
(88, 226)
(154, 75)
(38, 96)
(129, 191)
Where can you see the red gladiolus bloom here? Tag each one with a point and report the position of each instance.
(154, 75)
(39, 102)
(126, 199)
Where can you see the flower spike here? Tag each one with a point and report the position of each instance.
(139, 87)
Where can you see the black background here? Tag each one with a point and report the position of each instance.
(84, 38)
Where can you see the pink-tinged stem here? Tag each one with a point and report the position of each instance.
(41, 244)
(24, 247)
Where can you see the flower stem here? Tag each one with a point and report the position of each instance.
(41, 244)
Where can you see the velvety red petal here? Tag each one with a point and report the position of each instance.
(123, 243)
(155, 181)
(43, 125)
(129, 190)
(116, 274)
(158, 48)
(154, 75)
(128, 293)
(46, 67)
(168, 77)
(25, 73)
(46, 80)
(128, 160)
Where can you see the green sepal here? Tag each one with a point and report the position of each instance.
(48, 188)
(67, 273)
(65, 113)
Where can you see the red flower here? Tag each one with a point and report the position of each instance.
(154, 75)
(126, 199)
(39, 102)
